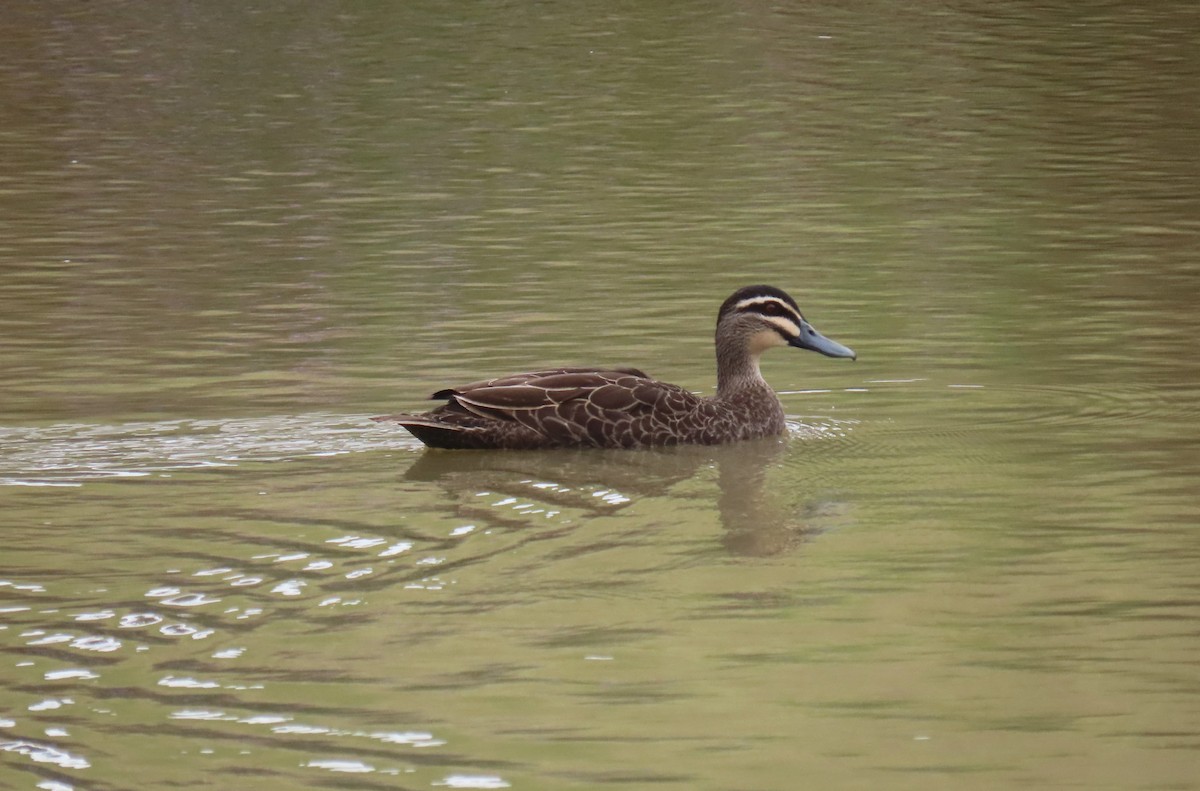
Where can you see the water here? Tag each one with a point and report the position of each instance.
(232, 235)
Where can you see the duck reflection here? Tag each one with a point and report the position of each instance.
(758, 519)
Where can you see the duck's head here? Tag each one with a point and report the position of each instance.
(761, 317)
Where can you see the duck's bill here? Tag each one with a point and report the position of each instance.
(812, 340)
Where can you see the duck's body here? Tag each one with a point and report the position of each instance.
(590, 407)
(623, 407)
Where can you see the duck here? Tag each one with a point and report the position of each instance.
(623, 407)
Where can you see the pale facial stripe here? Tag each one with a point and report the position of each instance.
(785, 325)
(752, 301)
(788, 328)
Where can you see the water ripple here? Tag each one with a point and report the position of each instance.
(45, 754)
(71, 454)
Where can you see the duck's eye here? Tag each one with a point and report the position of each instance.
(772, 309)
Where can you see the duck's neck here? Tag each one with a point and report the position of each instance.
(737, 371)
(743, 394)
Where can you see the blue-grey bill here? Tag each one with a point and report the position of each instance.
(810, 339)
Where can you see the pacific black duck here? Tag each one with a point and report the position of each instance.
(625, 408)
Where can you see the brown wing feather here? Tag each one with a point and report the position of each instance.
(614, 407)
(611, 396)
(525, 378)
(556, 387)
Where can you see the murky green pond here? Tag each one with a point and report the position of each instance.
(231, 233)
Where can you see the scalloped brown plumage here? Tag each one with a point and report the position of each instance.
(563, 407)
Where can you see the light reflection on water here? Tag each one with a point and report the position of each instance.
(371, 611)
(64, 455)
(192, 632)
